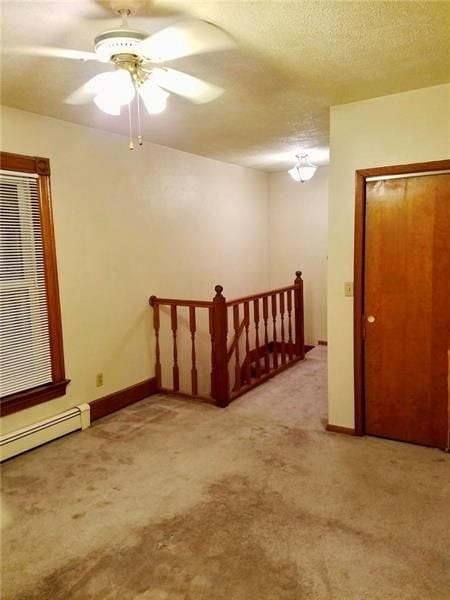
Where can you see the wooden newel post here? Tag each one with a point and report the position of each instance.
(153, 301)
(298, 309)
(220, 377)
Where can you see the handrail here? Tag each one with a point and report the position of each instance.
(177, 302)
(208, 303)
(260, 295)
(274, 339)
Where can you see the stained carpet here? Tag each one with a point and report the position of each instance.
(175, 500)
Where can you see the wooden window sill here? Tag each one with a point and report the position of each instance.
(21, 400)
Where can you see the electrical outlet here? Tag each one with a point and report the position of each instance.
(99, 379)
(348, 288)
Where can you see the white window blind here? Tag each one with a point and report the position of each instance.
(25, 358)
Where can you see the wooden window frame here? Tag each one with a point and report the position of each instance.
(358, 277)
(21, 400)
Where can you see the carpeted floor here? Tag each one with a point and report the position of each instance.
(175, 500)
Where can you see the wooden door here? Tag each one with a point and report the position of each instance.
(406, 308)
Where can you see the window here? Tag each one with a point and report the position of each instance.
(31, 350)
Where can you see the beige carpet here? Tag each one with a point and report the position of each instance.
(172, 500)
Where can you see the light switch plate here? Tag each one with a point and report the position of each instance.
(348, 288)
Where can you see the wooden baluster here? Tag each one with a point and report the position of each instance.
(289, 311)
(192, 327)
(283, 342)
(248, 361)
(237, 365)
(211, 335)
(298, 308)
(220, 369)
(175, 371)
(266, 335)
(156, 326)
(274, 335)
(257, 351)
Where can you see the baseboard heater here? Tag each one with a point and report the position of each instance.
(40, 433)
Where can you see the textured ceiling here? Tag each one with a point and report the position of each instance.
(293, 61)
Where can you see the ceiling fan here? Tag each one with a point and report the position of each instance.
(133, 53)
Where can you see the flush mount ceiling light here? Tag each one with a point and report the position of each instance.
(303, 170)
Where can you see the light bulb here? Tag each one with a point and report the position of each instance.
(154, 98)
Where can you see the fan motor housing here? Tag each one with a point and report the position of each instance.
(118, 41)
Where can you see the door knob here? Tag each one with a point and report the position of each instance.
(371, 319)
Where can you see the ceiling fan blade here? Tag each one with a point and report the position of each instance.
(184, 39)
(49, 51)
(194, 89)
(88, 90)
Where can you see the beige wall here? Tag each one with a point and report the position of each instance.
(132, 224)
(298, 240)
(399, 129)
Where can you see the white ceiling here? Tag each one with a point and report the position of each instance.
(293, 61)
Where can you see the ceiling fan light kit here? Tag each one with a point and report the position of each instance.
(119, 88)
(303, 170)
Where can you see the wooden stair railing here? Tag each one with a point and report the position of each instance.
(268, 337)
(173, 304)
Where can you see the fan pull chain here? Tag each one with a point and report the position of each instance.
(130, 143)
(138, 99)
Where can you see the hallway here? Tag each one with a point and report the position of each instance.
(177, 500)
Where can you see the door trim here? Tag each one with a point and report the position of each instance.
(358, 275)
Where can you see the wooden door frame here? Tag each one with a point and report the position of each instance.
(358, 277)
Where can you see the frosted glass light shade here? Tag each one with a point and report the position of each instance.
(107, 105)
(303, 170)
(154, 98)
(294, 173)
(306, 172)
(116, 90)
